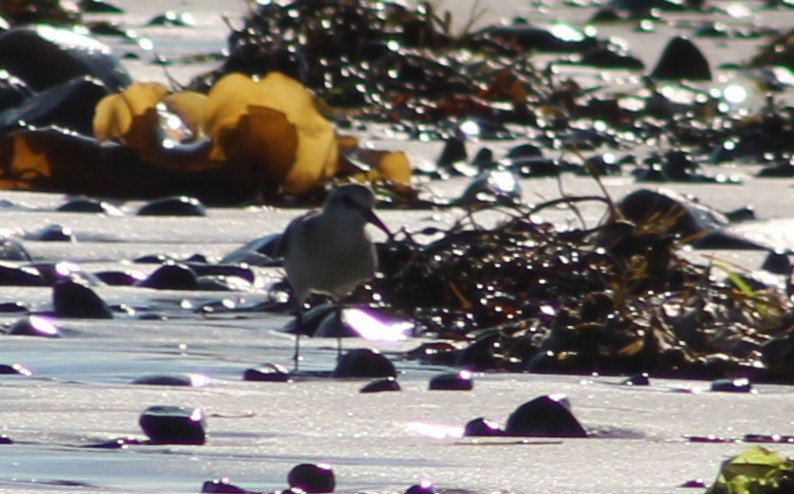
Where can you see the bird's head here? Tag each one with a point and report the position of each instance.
(354, 199)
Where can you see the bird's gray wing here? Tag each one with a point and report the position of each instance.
(293, 229)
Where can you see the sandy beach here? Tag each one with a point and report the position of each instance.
(80, 392)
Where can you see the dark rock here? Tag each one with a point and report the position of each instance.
(364, 362)
(222, 486)
(153, 259)
(267, 373)
(454, 151)
(72, 299)
(526, 150)
(740, 385)
(530, 37)
(54, 272)
(681, 59)
(119, 443)
(171, 276)
(421, 488)
(611, 58)
(457, 381)
(99, 7)
(222, 283)
(637, 380)
(4, 439)
(86, 205)
(312, 478)
(189, 380)
(388, 384)
(12, 250)
(545, 416)
(220, 270)
(14, 370)
(174, 425)
(69, 105)
(44, 56)
(20, 276)
(777, 263)
(11, 307)
(174, 206)
(13, 91)
(35, 326)
(171, 18)
(482, 427)
(120, 278)
(53, 233)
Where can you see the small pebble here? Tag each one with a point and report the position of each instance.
(364, 362)
(174, 425)
(14, 370)
(381, 385)
(312, 478)
(173, 206)
(458, 381)
(35, 326)
(741, 385)
(267, 373)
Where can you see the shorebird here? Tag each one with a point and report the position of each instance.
(329, 251)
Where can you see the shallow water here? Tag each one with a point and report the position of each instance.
(80, 392)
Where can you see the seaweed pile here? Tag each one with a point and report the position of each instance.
(618, 298)
(386, 62)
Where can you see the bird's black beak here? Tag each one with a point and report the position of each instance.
(373, 218)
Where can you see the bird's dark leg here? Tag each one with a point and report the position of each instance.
(338, 323)
(299, 329)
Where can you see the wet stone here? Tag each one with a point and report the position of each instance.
(31, 52)
(681, 59)
(364, 362)
(421, 488)
(694, 484)
(173, 206)
(456, 381)
(12, 250)
(637, 380)
(11, 307)
(171, 18)
(454, 151)
(85, 205)
(53, 233)
(482, 427)
(120, 278)
(99, 7)
(120, 443)
(223, 486)
(188, 380)
(174, 425)
(171, 277)
(312, 478)
(20, 276)
(381, 385)
(153, 259)
(35, 326)
(52, 272)
(71, 299)
(545, 416)
(222, 283)
(777, 263)
(267, 373)
(14, 370)
(740, 385)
